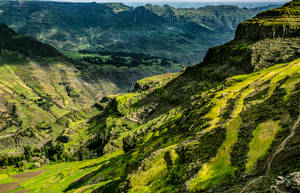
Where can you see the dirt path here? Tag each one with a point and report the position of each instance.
(27, 174)
(19, 178)
(281, 147)
(8, 187)
(269, 161)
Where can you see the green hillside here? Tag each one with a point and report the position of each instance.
(183, 35)
(209, 145)
(38, 87)
(43, 92)
(229, 124)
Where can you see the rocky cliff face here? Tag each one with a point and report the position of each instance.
(290, 183)
(282, 22)
(270, 38)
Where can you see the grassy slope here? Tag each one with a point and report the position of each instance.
(42, 91)
(45, 87)
(160, 167)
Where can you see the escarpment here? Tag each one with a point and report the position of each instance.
(270, 38)
(282, 22)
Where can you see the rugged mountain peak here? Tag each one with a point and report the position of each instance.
(280, 22)
(143, 15)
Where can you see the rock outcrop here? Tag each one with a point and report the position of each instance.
(290, 183)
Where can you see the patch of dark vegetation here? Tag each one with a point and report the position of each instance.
(129, 143)
(288, 161)
(112, 187)
(10, 160)
(261, 94)
(43, 102)
(125, 59)
(8, 115)
(97, 143)
(294, 102)
(55, 151)
(25, 45)
(63, 139)
(228, 109)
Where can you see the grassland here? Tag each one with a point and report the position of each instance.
(149, 167)
(220, 168)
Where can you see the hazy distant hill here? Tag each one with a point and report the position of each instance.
(195, 4)
(180, 34)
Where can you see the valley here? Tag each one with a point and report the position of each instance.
(228, 124)
(179, 34)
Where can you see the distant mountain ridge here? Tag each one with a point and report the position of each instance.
(180, 34)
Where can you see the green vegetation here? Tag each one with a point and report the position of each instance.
(122, 68)
(263, 137)
(183, 35)
(154, 172)
(209, 128)
(61, 174)
(156, 150)
(285, 19)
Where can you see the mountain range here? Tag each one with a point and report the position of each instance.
(228, 124)
(179, 34)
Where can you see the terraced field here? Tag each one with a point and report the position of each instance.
(42, 98)
(228, 117)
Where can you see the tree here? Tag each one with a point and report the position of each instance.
(84, 153)
(27, 152)
(20, 165)
(60, 149)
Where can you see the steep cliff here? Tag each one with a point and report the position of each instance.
(282, 22)
(270, 37)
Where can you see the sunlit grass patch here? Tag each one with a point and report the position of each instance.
(263, 137)
(125, 101)
(218, 168)
(153, 171)
(57, 177)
